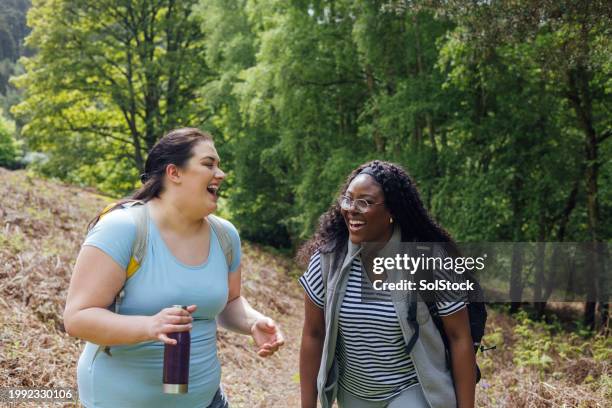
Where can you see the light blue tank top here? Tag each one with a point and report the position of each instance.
(132, 377)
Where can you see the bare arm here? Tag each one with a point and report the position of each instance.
(457, 329)
(240, 317)
(313, 335)
(95, 281)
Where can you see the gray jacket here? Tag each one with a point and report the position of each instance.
(428, 353)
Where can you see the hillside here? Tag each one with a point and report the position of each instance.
(42, 224)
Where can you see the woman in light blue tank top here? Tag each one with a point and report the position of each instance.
(184, 263)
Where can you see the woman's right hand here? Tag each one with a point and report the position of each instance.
(169, 320)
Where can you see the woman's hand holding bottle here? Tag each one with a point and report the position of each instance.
(169, 320)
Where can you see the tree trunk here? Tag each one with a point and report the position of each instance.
(579, 95)
(605, 288)
(516, 272)
(539, 304)
(173, 35)
(516, 277)
(555, 264)
(604, 318)
(570, 287)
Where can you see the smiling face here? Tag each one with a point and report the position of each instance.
(201, 177)
(373, 225)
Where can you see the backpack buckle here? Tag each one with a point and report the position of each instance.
(484, 348)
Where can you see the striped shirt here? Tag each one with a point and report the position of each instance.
(371, 350)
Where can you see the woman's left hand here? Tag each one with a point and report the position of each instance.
(267, 336)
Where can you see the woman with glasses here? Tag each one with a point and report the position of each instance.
(356, 347)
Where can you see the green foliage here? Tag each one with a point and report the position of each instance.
(539, 344)
(534, 344)
(488, 109)
(13, 30)
(10, 148)
(15, 241)
(108, 79)
(258, 194)
(320, 87)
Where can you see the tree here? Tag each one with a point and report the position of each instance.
(13, 30)
(10, 149)
(260, 196)
(288, 99)
(311, 89)
(566, 44)
(109, 78)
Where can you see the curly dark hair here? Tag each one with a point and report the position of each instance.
(403, 201)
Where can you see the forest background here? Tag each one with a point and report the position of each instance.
(500, 110)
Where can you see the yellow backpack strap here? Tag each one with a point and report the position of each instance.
(140, 213)
(107, 209)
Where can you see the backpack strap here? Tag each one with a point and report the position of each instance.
(140, 214)
(428, 298)
(139, 247)
(224, 237)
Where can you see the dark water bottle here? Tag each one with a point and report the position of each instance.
(176, 362)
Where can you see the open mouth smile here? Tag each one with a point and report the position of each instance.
(213, 190)
(355, 225)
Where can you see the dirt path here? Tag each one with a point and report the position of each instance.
(251, 381)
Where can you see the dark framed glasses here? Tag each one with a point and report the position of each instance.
(360, 205)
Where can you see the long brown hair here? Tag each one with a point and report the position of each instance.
(176, 147)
